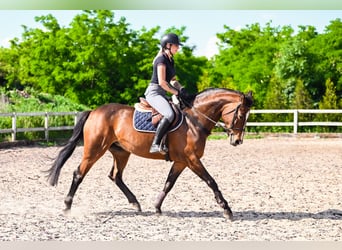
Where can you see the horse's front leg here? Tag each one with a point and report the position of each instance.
(174, 173)
(197, 167)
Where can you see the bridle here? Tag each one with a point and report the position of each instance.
(231, 127)
(229, 130)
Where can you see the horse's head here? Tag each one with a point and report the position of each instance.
(231, 106)
(235, 115)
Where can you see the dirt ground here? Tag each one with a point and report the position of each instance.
(278, 188)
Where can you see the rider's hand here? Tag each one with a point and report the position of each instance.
(185, 97)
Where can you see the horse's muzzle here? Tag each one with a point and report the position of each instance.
(234, 142)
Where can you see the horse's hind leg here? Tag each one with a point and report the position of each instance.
(90, 156)
(120, 161)
(76, 181)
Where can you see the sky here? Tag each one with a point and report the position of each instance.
(201, 25)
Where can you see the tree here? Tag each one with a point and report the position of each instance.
(101, 59)
(302, 100)
(329, 100)
(327, 48)
(189, 69)
(301, 97)
(246, 58)
(96, 59)
(9, 68)
(275, 98)
(294, 62)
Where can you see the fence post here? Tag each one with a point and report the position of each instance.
(14, 126)
(46, 126)
(295, 121)
(75, 118)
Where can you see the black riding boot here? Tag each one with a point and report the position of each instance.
(162, 128)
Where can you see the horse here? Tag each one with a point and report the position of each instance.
(109, 127)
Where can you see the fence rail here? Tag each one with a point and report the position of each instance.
(46, 116)
(47, 128)
(295, 122)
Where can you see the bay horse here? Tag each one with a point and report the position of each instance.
(110, 127)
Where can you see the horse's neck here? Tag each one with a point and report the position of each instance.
(205, 116)
(208, 110)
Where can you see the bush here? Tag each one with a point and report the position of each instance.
(29, 100)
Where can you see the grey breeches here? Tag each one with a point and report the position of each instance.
(156, 97)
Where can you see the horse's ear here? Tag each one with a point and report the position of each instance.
(249, 98)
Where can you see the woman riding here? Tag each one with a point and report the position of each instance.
(163, 74)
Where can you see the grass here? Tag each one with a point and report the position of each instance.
(223, 136)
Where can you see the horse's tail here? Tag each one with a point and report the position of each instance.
(67, 150)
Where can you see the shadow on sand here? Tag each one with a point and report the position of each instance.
(331, 214)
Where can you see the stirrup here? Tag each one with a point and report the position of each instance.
(159, 149)
(154, 148)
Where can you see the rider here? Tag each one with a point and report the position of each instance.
(163, 74)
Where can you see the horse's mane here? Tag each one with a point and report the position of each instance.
(210, 90)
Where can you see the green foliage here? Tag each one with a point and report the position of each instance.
(329, 100)
(98, 59)
(34, 101)
(301, 98)
(294, 63)
(190, 69)
(246, 58)
(271, 60)
(217, 136)
(327, 48)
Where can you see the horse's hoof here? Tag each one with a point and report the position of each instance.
(158, 211)
(68, 203)
(228, 214)
(66, 211)
(137, 207)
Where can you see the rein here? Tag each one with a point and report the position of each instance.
(221, 124)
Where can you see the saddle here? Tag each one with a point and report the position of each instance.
(144, 106)
(146, 118)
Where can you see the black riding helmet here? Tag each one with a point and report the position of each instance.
(170, 38)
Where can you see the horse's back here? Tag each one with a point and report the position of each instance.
(112, 108)
(109, 111)
(105, 119)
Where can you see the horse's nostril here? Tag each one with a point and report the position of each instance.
(235, 142)
(238, 142)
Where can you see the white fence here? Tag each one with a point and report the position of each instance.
(47, 128)
(295, 122)
(45, 115)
